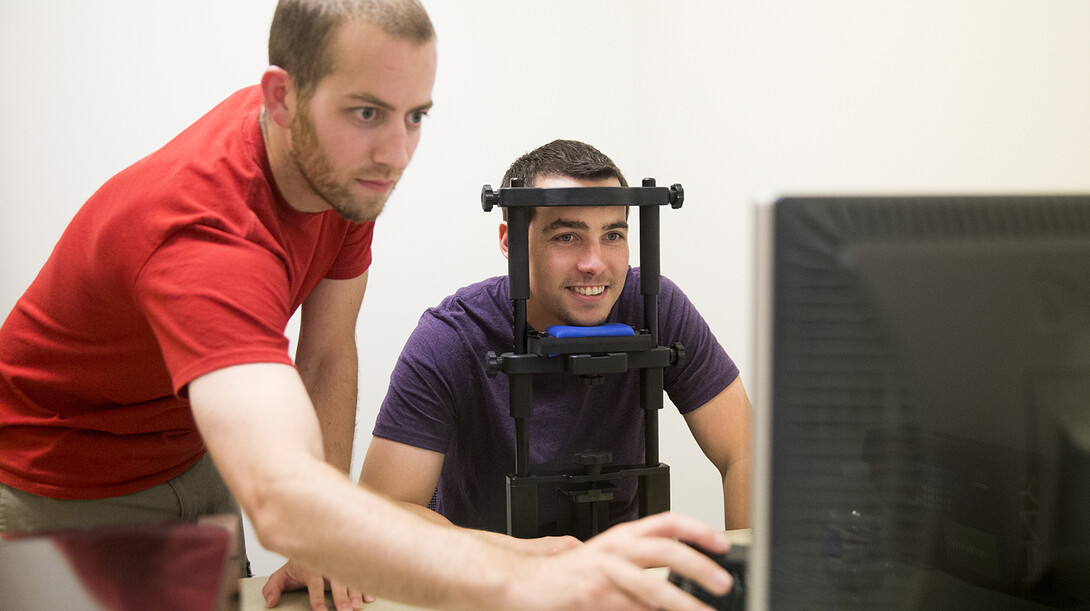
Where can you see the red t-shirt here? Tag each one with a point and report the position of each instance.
(186, 262)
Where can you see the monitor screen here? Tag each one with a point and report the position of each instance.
(924, 403)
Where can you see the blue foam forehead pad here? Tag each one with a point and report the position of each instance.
(613, 329)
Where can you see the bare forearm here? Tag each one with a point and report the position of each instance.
(541, 545)
(376, 545)
(425, 513)
(736, 496)
(332, 385)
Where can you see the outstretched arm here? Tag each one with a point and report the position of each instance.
(260, 427)
(721, 428)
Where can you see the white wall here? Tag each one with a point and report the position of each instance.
(731, 99)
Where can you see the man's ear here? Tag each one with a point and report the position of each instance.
(503, 238)
(278, 94)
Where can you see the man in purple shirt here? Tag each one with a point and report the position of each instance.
(445, 427)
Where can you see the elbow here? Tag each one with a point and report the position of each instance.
(284, 509)
(268, 516)
(270, 526)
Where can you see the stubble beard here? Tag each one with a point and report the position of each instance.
(313, 165)
(567, 316)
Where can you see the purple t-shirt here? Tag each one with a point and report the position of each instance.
(441, 399)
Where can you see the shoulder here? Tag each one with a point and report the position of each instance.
(482, 298)
(213, 168)
(476, 313)
(205, 178)
(462, 328)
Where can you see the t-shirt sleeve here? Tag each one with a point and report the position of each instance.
(708, 370)
(419, 408)
(355, 255)
(213, 300)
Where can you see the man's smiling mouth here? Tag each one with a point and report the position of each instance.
(589, 291)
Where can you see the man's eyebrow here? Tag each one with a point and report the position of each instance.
(372, 100)
(563, 223)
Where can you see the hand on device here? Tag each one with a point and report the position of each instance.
(608, 572)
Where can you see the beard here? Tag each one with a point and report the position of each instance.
(570, 318)
(567, 318)
(314, 166)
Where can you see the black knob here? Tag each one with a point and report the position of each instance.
(678, 352)
(493, 365)
(489, 198)
(677, 195)
(593, 460)
(593, 457)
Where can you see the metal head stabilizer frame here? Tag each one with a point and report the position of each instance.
(583, 498)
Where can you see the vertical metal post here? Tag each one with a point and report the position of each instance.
(650, 380)
(518, 278)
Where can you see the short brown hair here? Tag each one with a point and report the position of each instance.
(301, 31)
(569, 158)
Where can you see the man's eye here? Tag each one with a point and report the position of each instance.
(367, 113)
(416, 118)
(565, 237)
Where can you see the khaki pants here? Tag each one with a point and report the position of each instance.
(198, 491)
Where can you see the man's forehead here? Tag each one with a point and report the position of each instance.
(371, 66)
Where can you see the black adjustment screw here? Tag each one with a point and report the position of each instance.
(677, 195)
(493, 365)
(679, 354)
(593, 460)
(488, 198)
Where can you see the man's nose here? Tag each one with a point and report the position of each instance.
(395, 147)
(591, 260)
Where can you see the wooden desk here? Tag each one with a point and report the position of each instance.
(741, 536)
(250, 598)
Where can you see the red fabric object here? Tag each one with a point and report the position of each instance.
(186, 262)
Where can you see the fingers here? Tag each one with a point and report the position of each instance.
(655, 551)
(345, 598)
(293, 576)
(277, 583)
(651, 591)
(682, 527)
(649, 543)
(316, 593)
(703, 570)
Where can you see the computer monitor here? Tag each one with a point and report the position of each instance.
(923, 403)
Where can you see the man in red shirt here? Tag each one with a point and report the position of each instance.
(153, 339)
